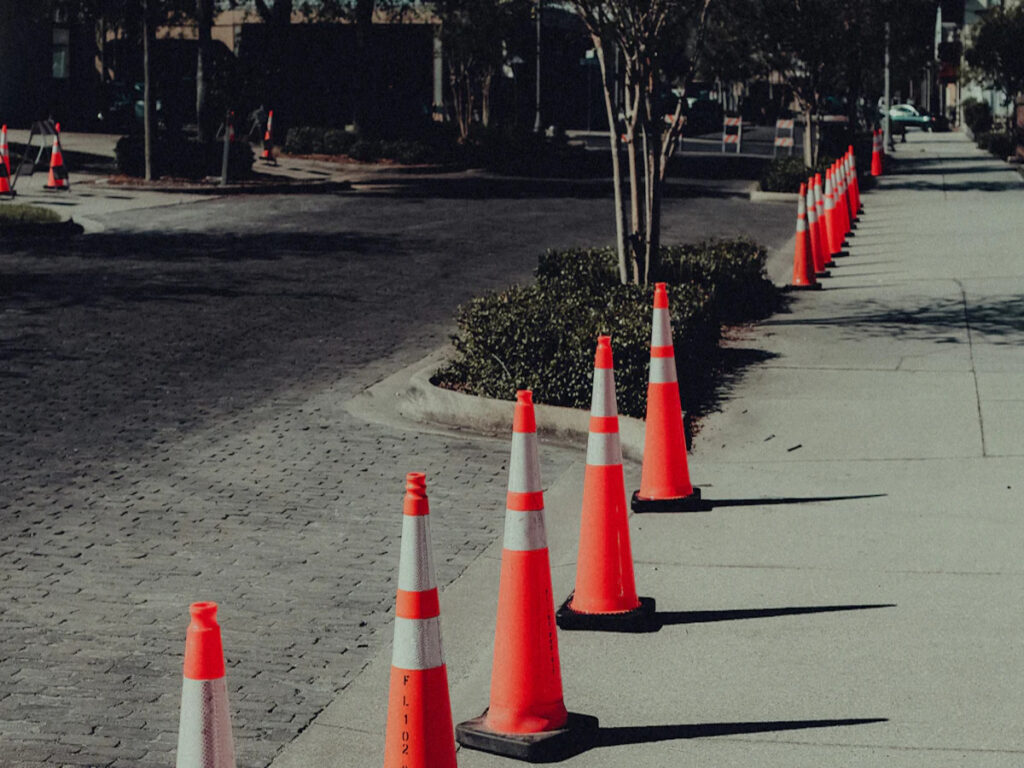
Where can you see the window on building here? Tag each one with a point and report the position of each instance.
(61, 52)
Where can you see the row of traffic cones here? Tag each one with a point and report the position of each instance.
(824, 220)
(526, 717)
(58, 178)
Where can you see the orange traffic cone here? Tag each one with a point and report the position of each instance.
(824, 252)
(813, 228)
(58, 173)
(419, 727)
(842, 201)
(204, 731)
(5, 173)
(268, 140)
(5, 152)
(605, 595)
(854, 183)
(876, 153)
(527, 718)
(665, 477)
(831, 221)
(803, 259)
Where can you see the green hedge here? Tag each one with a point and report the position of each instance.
(542, 336)
(978, 116)
(998, 143)
(786, 174)
(177, 156)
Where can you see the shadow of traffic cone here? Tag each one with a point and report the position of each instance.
(665, 476)
(803, 260)
(204, 731)
(605, 594)
(5, 152)
(419, 726)
(824, 255)
(267, 155)
(58, 172)
(876, 153)
(526, 718)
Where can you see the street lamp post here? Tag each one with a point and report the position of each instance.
(536, 111)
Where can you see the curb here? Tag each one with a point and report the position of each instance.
(407, 398)
(760, 196)
(270, 188)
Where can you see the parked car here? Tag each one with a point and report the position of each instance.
(906, 115)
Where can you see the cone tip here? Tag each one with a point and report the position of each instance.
(204, 614)
(803, 188)
(661, 296)
(416, 483)
(524, 420)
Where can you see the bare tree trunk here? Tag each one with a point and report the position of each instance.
(615, 144)
(635, 212)
(147, 96)
(204, 22)
(808, 136)
(485, 98)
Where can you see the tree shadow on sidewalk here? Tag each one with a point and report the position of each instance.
(997, 319)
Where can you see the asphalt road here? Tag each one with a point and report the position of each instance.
(172, 430)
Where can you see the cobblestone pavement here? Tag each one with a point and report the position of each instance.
(172, 429)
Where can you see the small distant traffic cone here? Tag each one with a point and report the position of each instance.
(204, 731)
(665, 476)
(824, 252)
(605, 595)
(5, 165)
(5, 152)
(268, 140)
(527, 718)
(854, 183)
(803, 259)
(419, 726)
(876, 153)
(58, 173)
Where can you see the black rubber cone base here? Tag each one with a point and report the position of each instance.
(810, 287)
(578, 735)
(641, 619)
(823, 273)
(691, 503)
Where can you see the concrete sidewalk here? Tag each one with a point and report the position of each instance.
(853, 598)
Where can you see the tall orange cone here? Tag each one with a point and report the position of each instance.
(842, 200)
(854, 182)
(813, 229)
(527, 718)
(877, 150)
(58, 173)
(5, 173)
(419, 728)
(204, 731)
(803, 259)
(834, 238)
(268, 140)
(665, 477)
(824, 251)
(605, 595)
(5, 152)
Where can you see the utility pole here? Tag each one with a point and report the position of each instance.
(888, 97)
(536, 112)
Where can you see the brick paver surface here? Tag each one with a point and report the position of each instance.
(172, 429)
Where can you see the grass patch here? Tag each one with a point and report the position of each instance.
(17, 213)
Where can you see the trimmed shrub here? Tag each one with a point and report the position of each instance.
(542, 336)
(177, 156)
(786, 174)
(304, 140)
(337, 142)
(998, 143)
(978, 116)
